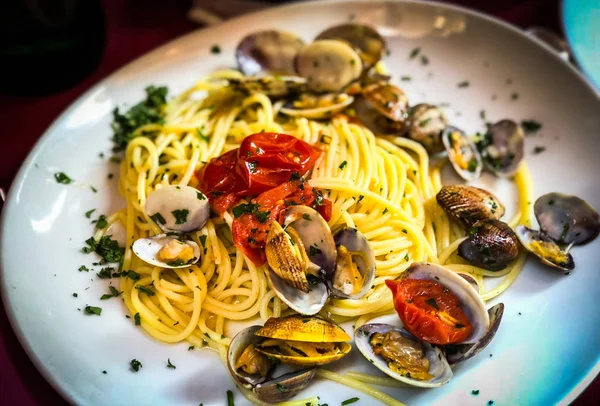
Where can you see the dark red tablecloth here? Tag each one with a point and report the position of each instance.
(132, 29)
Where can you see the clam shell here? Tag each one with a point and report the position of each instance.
(527, 236)
(267, 389)
(389, 100)
(328, 65)
(492, 245)
(427, 122)
(503, 147)
(567, 219)
(147, 248)
(471, 303)
(469, 204)
(299, 328)
(438, 366)
(462, 153)
(284, 260)
(274, 86)
(338, 103)
(355, 241)
(162, 205)
(270, 51)
(365, 39)
(304, 303)
(461, 352)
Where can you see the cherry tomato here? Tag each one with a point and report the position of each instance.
(250, 229)
(263, 161)
(429, 311)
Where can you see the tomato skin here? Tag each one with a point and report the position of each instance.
(429, 311)
(250, 234)
(263, 161)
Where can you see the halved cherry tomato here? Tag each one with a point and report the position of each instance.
(250, 229)
(429, 311)
(263, 161)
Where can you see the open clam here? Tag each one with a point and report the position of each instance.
(545, 248)
(303, 341)
(567, 219)
(355, 266)
(328, 65)
(268, 52)
(502, 147)
(469, 204)
(301, 257)
(402, 356)
(167, 251)
(491, 244)
(462, 153)
(427, 122)
(317, 106)
(369, 43)
(255, 371)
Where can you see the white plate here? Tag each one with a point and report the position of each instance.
(543, 356)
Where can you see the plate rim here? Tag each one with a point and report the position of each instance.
(18, 181)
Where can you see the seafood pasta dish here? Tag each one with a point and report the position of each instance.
(302, 190)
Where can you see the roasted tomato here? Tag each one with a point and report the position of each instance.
(253, 220)
(429, 311)
(263, 161)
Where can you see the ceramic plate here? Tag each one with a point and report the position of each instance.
(548, 346)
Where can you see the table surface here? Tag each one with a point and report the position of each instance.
(131, 31)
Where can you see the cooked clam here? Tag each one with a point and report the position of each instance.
(167, 251)
(317, 106)
(253, 370)
(301, 257)
(402, 356)
(545, 248)
(355, 266)
(470, 302)
(491, 244)
(304, 341)
(179, 209)
(268, 52)
(469, 204)
(462, 153)
(328, 65)
(365, 39)
(427, 122)
(389, 100)
(456, 353)
(567, 219)
(274, 86)
(502, 147)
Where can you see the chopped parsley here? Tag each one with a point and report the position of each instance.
(464, 83)
(101, 222)
(191, 348)
(406, 78)
(133, 275)
(93, 310)
(135, 365)
(88, 214)
(93, 189)
(262, 216)
(314, 250)
(472, 166)
(83, 268)
(424, 60)
(115, 159)
(106, 273)
(306, 217)
(106, 247)
(385, 210)
(514, 96)
(200, 196)
(169, 365)
(414, 53)
(350, 401)
(61, 177)
(215, 49)
(482, 114)
(475, 392)
(74, 294)
(343, 165)
(158, 218)
(180, 215)
(137, 319)
(431, 302)
(530, 126)
(202, 135)
(538, 150)
(148, 111)
(295, 176)
(113, 293)
(230, 398)
(423, 123)
(145, 289)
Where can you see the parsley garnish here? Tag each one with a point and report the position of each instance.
(343, 165)
(135, 365)
(475, 392)
(83, 268)
(349, 401)
(306, 217)
(385, 210)
(148, 111)
(414, 53)
(464, 83)
(88, 214)
(106, 247)
(105, 273)
(202, 135)
(215, 49)
(424, 60)
(538, 149)
(530, 126)
(180, 215)
(133, 275)
(137, 319)
(262, 216)
(295, 176)
(313, 250)
(93, 189)
(169, 365)
(472, 166)
(406, 78)
(61, 177)
(113, 293)
(74, 294)
(93, 310)
(431, 302)
(514, 96)
(243, 208)
(202, 239)
(230, 398)
(101, 222)
(158, 218)
(200, 196)
(145, 289)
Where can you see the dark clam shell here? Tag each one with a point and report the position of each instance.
(469, 204)
(427, 122)
(567, 219)
(503, 147)
(365, 39)
(270, 51)
(492, 245)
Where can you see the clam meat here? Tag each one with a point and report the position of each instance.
(545, 248)
(167, 251)
(355, 266)
(462, 153)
